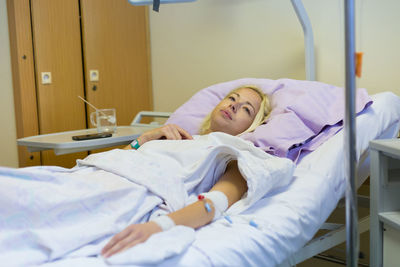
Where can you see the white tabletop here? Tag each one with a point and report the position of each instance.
(389, 146)
(62, 143)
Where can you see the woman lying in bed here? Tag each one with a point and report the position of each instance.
(241, 111)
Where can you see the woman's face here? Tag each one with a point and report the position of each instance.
(234, 114)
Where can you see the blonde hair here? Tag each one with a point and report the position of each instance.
(259, 119)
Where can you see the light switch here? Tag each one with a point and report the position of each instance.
(46, 77)
(94, 75)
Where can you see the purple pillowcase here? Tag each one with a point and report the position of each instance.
(300, 111)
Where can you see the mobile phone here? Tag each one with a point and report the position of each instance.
(90, 136)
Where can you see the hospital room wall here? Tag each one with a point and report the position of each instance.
(8, 143)
(194, 45)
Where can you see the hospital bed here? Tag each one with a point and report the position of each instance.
(328, 160)
(288, 217)
(289, 252)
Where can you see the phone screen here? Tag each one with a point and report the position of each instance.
(90, 136)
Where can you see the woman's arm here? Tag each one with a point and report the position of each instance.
(168, 131)
(231, 183)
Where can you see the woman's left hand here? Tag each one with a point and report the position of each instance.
(132, 235)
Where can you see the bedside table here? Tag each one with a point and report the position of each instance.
(385, 202)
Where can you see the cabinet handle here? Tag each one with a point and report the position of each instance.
(94, 88)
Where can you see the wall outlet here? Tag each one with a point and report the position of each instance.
(46, 77)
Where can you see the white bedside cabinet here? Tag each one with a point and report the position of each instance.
(385, 203)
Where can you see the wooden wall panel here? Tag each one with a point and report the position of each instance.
(115, 42)
(22, 61)
(57, 46)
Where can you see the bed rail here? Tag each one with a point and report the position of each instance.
(154, 114)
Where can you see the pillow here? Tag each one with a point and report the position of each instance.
(300, 111)
(380, 121)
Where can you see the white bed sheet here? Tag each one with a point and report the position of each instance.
(49, 213)
(292, 215)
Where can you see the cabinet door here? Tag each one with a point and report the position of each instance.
(22, 61)
(58, 50)
(115, 43)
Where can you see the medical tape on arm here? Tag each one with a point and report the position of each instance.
(219, 201)
(164, 222)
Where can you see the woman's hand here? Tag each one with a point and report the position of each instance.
(169, 131)
(132, 235)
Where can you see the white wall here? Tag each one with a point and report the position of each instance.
(8, 139)
(197, 44)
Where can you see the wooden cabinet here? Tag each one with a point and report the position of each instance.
(58, 52)
(68, 39)
(115, 43)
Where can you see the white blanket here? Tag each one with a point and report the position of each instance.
(52, 213)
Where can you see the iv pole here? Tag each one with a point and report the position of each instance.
(352, 237)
